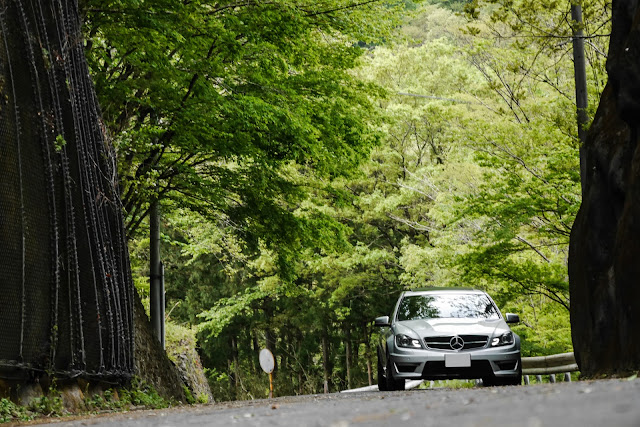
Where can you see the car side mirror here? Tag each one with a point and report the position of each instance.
(511, 318)
(382, 321)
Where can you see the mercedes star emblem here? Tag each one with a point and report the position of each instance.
(456, 343)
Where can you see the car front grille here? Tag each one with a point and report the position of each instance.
(444, 342)
(438, 370)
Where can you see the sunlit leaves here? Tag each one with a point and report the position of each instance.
(208, 101)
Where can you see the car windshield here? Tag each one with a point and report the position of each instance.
(438, 306)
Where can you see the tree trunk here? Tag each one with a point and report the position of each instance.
(604, 248)
(300, 389)
(234, 362)
(232, 389)
(367, 343)
(302, 361)
(325, 360)
(348, 356)
(286, 345)
(256, 352)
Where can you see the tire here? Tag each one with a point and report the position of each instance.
(488, 381)
(400, 384)
(392, 383)
(493, 381)
(518, 379)
(509, 381)
(382, 380)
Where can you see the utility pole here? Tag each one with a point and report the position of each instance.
(156, 274)
(580, 75)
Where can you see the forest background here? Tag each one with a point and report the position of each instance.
(313, 160)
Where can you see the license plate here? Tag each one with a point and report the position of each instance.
(458, 360)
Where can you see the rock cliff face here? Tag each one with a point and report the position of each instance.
(171, 373)
(604, 255)
(152, 364)
(181, 350)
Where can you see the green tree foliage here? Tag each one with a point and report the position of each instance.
(546, 27)
(495, 201)
(210, 103)
(306, 180)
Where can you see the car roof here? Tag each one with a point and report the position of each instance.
(442, 290)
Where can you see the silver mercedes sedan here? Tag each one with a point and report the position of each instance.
(448, 333)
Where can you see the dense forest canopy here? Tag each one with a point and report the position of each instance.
(314, 159)
(227, 109)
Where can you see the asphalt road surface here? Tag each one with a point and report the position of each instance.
(607, 403)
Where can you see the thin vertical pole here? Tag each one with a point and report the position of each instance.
(163, 306)
(580, 76)
(270, 385)
(156, 291)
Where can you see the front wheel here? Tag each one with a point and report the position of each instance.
(392, 383)
(491, 380)
(506, 381)
(517, 380)
(382, 380)
(488, 381)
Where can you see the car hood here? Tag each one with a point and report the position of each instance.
(446, 327)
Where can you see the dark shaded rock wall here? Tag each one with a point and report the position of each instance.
(152, 364)
(604, 255)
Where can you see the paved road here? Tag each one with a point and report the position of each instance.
(607, 403)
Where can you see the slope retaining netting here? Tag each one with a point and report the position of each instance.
(65, 285)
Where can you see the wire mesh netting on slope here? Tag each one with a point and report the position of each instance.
(65, 284)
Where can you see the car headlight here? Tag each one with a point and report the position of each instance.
(407, 342)
(504, 339)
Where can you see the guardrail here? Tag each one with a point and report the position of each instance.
(554, 364)
(564, 363)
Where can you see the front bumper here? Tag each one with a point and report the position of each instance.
(501, 362)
